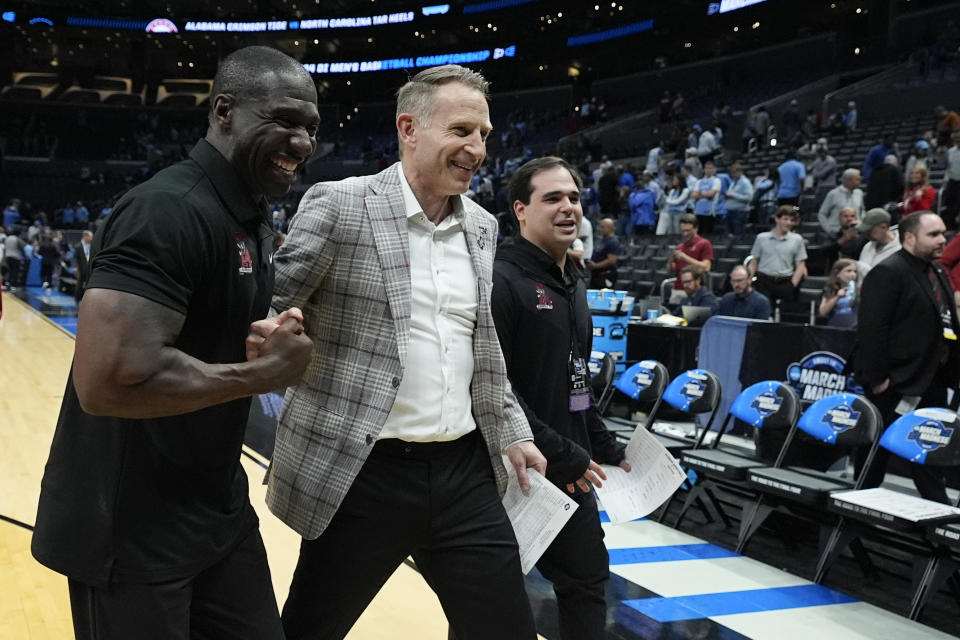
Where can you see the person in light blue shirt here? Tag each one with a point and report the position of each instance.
(792, 172)
(705, 197)
(738, 198)
(725, 182)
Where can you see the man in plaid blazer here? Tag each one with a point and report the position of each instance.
(392, 443)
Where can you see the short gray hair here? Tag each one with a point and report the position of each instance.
(851, 173)
(416, 96)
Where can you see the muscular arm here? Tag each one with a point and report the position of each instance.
(126, 364)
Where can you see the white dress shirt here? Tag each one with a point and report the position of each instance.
(433, 400)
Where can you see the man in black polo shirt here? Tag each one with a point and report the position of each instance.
(144, 504)
(543, 322)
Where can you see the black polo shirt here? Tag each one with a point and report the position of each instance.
(159, 499)
(541, 315)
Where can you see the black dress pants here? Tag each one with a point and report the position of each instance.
(578, 565)
(930, 482)
(437, 502)
(776, 287)
(232, 600)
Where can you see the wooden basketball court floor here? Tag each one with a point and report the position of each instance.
(665, 584)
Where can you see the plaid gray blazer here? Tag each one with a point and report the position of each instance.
(345, 263)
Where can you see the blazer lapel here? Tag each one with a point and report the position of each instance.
(926, 286)
(388, 220)
(480, 241)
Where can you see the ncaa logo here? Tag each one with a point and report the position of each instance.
(841, 418)
(930, 435)
(766, 404)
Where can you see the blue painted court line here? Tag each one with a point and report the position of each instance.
(709, 605)
(669, 553)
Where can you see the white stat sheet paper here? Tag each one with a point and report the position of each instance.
(538, 516)
(654, 476)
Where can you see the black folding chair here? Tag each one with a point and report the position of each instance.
(767, 404)
(903, 521)
(843, 421)
(644, 383)
(601, 382)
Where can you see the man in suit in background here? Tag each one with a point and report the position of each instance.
(907, 333)
(392, 444)
(81, 258)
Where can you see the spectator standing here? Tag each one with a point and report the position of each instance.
(50, 258)
(918, 195)
(692, 163)
(824, 168)
(846, 195)
(603, 264)
(921, 153)
(653, 159)
(791, 172)
(743, 301)
(948, 122)
(608, 192)
(586, 236)
(765, 188)
(738, 197)
(878, 154)
(885, 186)
(82, 215)
(705, 197)
(11, 214)
(850, 120)
(838, 305)
(692, 250)
(907, 332)
(13, 252)
(884, 241)
(791, 122)
(779, 257)
(641, 203)
(951, 190)
(81, 261)
(707, 145)
(762, 125)
(676, 202)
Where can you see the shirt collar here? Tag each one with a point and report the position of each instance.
(412, 206)
(227, 183)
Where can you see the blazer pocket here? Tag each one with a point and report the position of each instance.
(308, 418)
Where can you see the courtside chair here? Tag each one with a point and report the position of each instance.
(925, 436)
(601, 383)
(694, 392)
(645, 382)
(765, 405)
(845, 421)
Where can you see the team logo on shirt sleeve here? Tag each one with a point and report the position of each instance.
(543, 298)
(246, 262)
